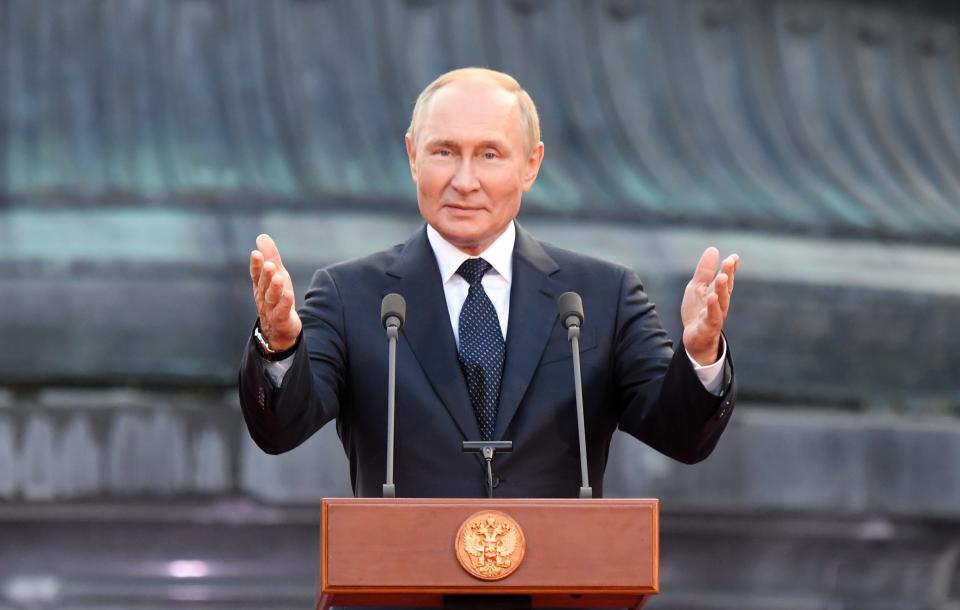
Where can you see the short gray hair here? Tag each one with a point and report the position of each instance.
(530, 120)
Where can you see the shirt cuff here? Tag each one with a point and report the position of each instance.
(278, 369)
(710, 375)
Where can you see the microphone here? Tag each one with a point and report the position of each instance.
(487, 449)
(571, 310)
(571, 317)
(393, 311)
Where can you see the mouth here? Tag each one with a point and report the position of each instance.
(462, 208)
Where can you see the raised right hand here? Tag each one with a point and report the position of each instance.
(273, 293)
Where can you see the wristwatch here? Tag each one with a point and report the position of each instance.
(267, 352)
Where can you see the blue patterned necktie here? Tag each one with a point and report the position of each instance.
(481, 347)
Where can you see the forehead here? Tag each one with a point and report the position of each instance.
(472, 110)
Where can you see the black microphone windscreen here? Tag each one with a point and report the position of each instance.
(393, 305)
(570, 305)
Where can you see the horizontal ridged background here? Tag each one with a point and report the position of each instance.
(808, 117)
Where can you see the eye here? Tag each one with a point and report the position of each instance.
(491, 155)
(442, 152)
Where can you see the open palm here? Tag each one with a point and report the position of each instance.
(706, 302)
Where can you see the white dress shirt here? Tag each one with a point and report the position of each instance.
(496, 283)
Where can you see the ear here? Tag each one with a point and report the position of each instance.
(532, 167)
(411, 156)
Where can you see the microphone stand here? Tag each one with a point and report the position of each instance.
(389, 489)
(573, 335)
(487, 449)
(571, 316)
(393, 310)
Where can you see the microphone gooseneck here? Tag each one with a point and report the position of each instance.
(393, 311)
(571, 317)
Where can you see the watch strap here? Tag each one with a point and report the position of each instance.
(266, 352)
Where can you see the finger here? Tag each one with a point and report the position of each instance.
(733, 272)
(286, 279)
(728, 266)
(721, 287)
(274, 292)
(284, 307)
(714, 316)
(707, 266)
(266, 277)
(266, 245)
(256, 274)
(256, 265)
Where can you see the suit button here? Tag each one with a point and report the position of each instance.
(496, 481)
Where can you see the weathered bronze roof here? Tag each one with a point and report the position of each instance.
(144, 144)
(833, 118)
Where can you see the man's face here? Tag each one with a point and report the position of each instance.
(470, 163)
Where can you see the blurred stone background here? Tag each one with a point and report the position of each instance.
(145, 143)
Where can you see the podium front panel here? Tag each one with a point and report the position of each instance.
(407, 547)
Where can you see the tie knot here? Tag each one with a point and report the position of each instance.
(473, 270)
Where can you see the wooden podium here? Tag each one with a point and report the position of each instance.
(601, 553)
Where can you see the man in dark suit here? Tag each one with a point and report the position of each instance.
(482, 354)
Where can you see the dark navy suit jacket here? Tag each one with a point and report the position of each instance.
(631, 377)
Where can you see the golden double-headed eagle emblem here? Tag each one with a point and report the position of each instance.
(490, 545)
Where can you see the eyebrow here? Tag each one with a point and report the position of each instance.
(498, 144)
(442, 144)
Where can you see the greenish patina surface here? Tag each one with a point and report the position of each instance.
(782, 116)
(144, 144)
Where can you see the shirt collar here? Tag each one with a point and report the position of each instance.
(449, 257)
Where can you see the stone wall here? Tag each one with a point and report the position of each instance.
(112, 496)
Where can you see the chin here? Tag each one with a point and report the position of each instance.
(464, 240)
(459, 232)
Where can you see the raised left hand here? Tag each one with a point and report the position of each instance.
(706, 302)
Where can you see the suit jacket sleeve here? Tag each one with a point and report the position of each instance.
(279, 419)
(662, 401)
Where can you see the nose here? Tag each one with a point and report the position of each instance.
(465, 178)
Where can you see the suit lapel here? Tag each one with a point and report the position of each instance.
(533, 313)
(427, 329)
